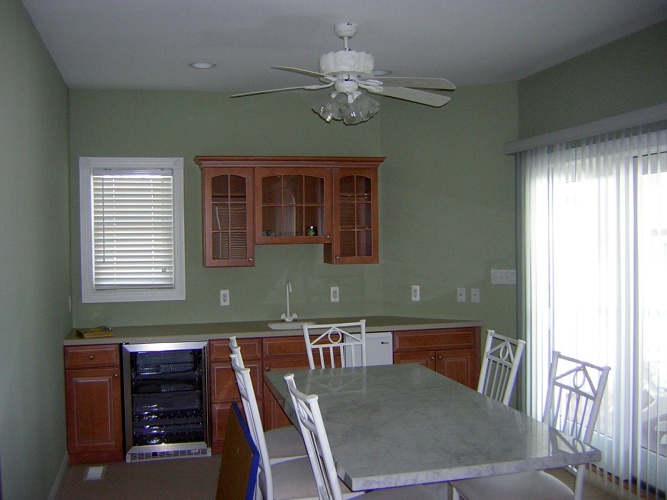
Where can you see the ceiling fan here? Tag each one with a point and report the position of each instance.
(348, 71)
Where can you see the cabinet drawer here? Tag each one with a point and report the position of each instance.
(448, 338)
(92, 356)
(285, 346)
(250, 349)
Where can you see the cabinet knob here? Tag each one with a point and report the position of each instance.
(328, 236)
(250, 260)
(439, 357)
(268, 369)
(91, 356)
(115, 375)
(338, 256)
(432, 357)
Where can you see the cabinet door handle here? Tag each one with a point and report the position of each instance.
(115, 375)
(250, 260)
(91, 356)
(328, 236)
(268, 369)
(432, 357)
(440, 357)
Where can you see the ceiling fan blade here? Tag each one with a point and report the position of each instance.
(301, 71)
(417, 82)
(303, 87)
(418, 96)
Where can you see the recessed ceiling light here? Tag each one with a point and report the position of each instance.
(202, 65)
(381, 72)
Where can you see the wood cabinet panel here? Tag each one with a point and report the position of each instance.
(94, 415)
(92, 356)
(250, 349)
(450, 338)
(223, 381)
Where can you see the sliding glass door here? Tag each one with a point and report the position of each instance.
(594, 251)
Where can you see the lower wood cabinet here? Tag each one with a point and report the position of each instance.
(284, 353)
(223, 383)
(453, 352)
(93, 404)
(93, 382)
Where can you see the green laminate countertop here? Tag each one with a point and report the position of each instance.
(247, 329)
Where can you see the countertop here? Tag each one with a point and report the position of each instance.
(214, 331)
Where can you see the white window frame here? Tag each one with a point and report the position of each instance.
(87, 166)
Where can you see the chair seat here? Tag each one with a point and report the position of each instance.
(284, 443)
(520, 486)
(293, 480)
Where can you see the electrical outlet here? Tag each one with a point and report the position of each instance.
(474, 295)
(335, 294)
(460, 294)
(224, 297)
(415, 293)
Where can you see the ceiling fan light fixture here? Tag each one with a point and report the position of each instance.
(348, 108)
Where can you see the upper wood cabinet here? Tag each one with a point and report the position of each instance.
(293, 205)
(355, 208)
(228, 216)
(266, 200)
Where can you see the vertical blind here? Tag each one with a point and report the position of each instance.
(133, 229)
(594, 256)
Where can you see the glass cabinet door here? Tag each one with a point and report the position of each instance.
(228, 217)
(355, 237)
(292, 205)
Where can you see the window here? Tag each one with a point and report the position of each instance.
(132, 244)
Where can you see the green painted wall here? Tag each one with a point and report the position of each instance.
(446, 198)
(34, 258)
(619, 77)
(446, 194)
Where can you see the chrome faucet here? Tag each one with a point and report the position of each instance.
(287, 316)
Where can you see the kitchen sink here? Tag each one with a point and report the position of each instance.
(289, 325)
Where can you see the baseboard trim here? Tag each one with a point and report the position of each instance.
(60, 478)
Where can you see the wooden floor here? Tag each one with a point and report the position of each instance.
(197, 478)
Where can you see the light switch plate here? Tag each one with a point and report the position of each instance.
(224, 297)
(415, 293)
(335, 294)
(474, 295)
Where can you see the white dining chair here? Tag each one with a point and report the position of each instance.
(286, 480)
(307, 410)
(574, 394)
(336, 345)
(283, 443)
(500, 365)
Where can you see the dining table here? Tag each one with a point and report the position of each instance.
(405, 424)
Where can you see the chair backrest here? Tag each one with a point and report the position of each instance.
(249, 400)
(236, 349)
(574, 395)
(307, 409)
(573, 402)
(335, 344)
(500, 365)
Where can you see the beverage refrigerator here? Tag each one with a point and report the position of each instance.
(165, 392)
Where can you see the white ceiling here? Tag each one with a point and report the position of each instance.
(148, 44)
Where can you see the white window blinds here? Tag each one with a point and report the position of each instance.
(132, 238)
(133, 228)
